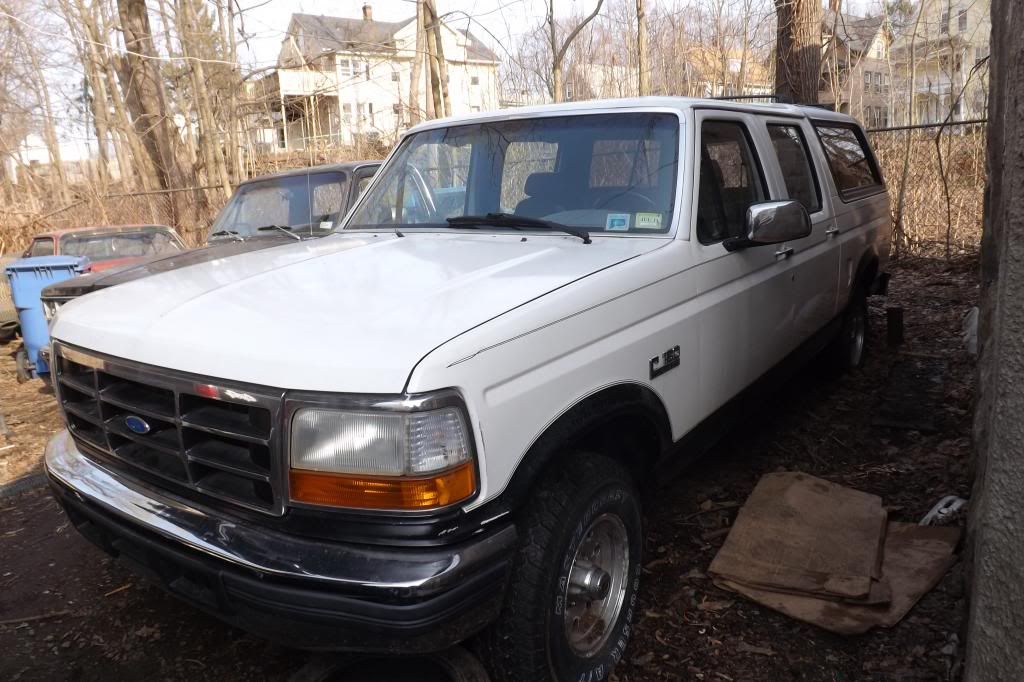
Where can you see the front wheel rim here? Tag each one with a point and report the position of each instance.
(596, 588)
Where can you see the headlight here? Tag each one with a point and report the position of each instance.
(381, 459)
(50, 308)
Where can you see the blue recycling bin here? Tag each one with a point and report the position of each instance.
(28, 277)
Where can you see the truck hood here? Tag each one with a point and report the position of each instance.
(348, 313)
(137, 269)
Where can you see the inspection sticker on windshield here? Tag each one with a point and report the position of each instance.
(617, 222)
(326, 225)
(648, 221)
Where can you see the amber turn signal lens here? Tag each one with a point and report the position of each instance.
(383, 492)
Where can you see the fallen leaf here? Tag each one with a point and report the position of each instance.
(712, 605)
(745, 648)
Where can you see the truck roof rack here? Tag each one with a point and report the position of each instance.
(774, 99)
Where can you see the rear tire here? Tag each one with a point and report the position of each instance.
(571, 598)
(848, 349)
(23, 371)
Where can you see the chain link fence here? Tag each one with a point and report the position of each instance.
(936, 177)
(935, 174)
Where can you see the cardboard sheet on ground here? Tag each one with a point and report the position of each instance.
(916, 558)
(826, 555)
(801, 534)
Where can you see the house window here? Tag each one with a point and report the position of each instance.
(346, 113)
(344, 67)
(961, 21)
(370, 107)
(475, 80)
(944, 23)
(395, 77)
(366, 70)
(878, 81)
(867, 80)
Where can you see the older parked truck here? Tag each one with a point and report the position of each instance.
(438, 422)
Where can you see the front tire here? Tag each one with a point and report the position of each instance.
(571, 599)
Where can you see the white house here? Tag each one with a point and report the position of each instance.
(341, 80)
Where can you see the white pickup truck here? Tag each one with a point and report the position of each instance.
(438, 422)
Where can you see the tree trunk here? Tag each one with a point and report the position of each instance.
(416, 75)
(798, 50)
(178, 91)
(557, 94)
(145, 93)
(432, 60)
(643, 68)
(209, 133)
(442, 63)
(996, 521)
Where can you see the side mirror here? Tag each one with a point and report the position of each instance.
(772, 222)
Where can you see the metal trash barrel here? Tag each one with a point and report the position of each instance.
(28, 277)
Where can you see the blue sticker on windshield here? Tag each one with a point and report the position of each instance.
(617, 222)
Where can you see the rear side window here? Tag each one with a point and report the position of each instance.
(730, 181)
(795, 163)
(853, 168)
(40, 247)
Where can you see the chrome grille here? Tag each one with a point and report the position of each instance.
(223, 447)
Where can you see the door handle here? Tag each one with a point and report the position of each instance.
(784, 252)
(832, 231)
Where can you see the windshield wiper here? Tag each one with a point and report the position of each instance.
(280, 228)
(513, 220)
(228, 233)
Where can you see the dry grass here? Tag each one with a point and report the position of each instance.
(931, 225)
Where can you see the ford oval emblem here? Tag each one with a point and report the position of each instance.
(137, 424)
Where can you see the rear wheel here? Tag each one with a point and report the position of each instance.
(23, 369)
(569, 608)
(847, 351)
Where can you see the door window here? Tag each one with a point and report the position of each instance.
(795, 163)
(40, 247)
(730, 181)
(853, 168)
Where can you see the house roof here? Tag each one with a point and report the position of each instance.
(856, 32)
(317, 35)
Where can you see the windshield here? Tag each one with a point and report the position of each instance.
(613, 173)
(310, 205)
(102, 247)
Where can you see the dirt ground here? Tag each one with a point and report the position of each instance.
(69, 612)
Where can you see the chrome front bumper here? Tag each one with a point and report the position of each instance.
(405, 572)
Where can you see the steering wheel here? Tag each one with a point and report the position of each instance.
(643, 199)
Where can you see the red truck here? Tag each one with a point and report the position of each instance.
(107, 246)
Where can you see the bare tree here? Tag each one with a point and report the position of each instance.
(145, 94)
(798, 49)
(558, 49)
(416, 76)
(643, 67)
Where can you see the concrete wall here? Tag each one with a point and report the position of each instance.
(995, 638)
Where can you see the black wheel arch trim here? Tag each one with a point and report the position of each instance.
(586, 418)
